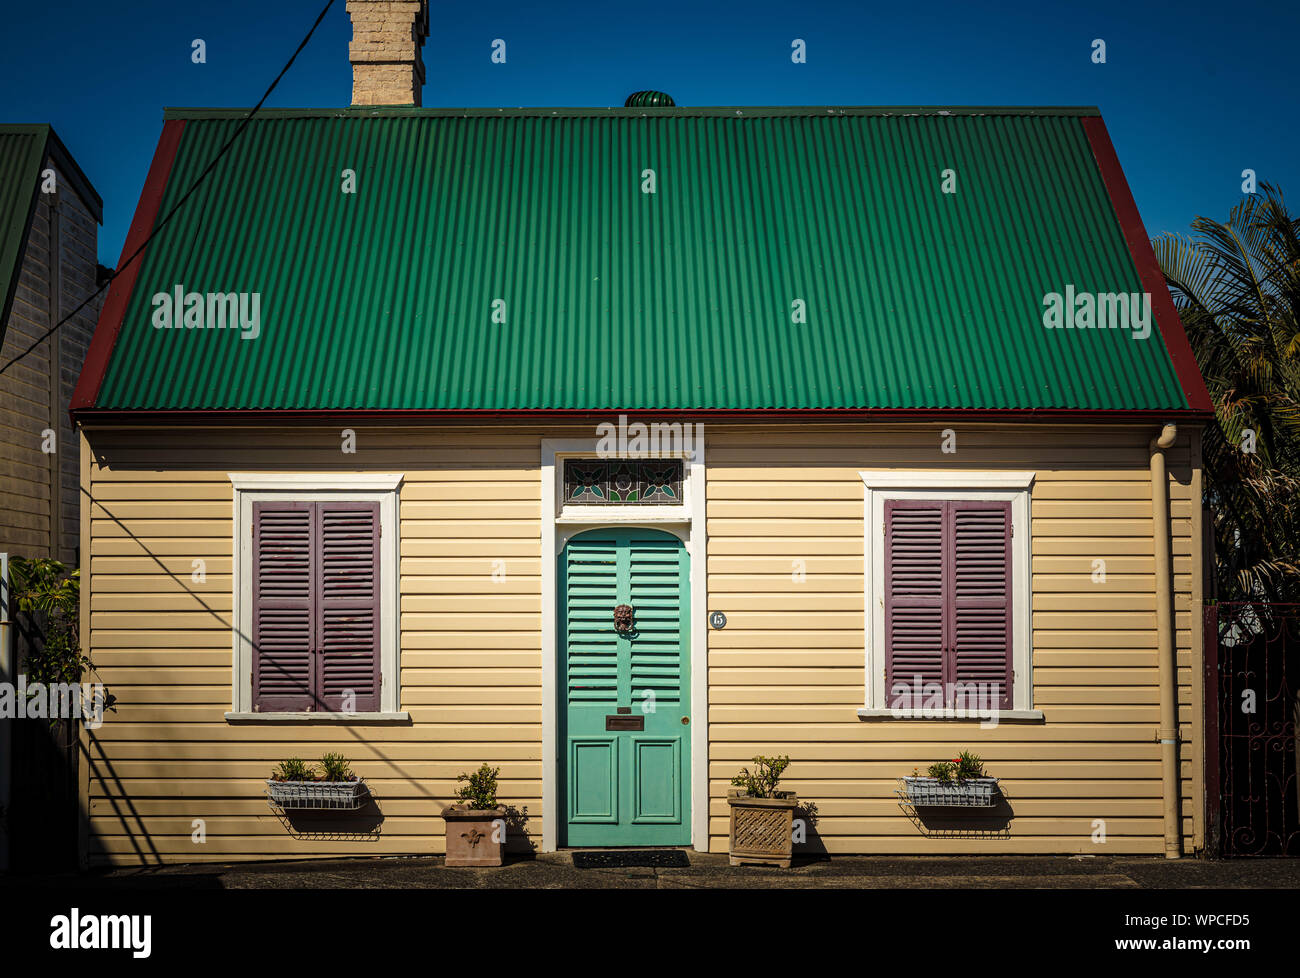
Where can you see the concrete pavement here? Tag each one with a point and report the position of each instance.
(707, 871)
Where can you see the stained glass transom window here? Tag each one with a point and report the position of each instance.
(623, 482)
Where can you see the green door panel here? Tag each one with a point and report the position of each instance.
(594, 796)
(624, 786)
(657, 781)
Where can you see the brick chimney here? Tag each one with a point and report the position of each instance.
(387, 35)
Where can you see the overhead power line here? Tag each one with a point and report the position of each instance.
(243, 124)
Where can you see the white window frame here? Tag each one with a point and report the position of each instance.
(377, 487)
(994, 486)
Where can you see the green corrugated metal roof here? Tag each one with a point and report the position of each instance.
(615, 298)
(22, 148)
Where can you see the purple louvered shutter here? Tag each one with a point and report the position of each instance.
(348, 607)
(283, 587)
(914, 601)
(979, 604)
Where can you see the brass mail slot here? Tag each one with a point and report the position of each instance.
(624, 722)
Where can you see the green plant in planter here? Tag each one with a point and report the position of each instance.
(762, 783)
(943, 771)
(965, 765)
(969, 766)
(335, 767)
(294, 769)
(480, 791)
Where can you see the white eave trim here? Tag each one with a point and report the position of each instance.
(945, 479)
(317, 481)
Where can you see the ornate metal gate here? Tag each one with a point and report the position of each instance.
(1253, 673)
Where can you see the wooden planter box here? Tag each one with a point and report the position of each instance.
(470, 833)
(762, 829)
(933, 793)
(336, 795)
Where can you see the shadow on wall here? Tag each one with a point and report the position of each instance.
(44, 818)
(518, 841)
(963, 823)
(116, 807)
(362, 825)
(808, 844)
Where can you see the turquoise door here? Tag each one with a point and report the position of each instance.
(625, 756)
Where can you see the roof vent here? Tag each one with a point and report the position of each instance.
(649, 99)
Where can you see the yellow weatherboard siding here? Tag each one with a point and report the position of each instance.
(785, 676)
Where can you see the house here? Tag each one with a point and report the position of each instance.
(367, 458)
(49, 219)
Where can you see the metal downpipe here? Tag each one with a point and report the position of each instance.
(1167, 654)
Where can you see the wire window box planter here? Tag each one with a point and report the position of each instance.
(345, 796)
(933, 793)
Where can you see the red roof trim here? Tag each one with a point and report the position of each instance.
(1148, 269)
(382, 416)
(119, 292)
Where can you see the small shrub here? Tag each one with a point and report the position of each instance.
(942, 771)
(294, 769)
(335, 767)
(480, 791)
(50, 596)
(762, 783)
(965, 765)
(969, 766)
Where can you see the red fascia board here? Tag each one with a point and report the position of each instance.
(289, 416)
(119, 291)
(1148, 269)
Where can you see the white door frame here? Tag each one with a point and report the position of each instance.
(558, 525)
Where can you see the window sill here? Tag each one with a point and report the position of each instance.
(340, 718)
(1000, 716)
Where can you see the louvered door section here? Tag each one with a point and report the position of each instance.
(655, 575)
(591, 594)
(915, 632)
(316, 606)
(348, 607)
(283, 587)
(981, 600)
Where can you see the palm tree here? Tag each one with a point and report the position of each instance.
(1237, 288)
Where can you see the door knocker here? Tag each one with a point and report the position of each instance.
(623, 615)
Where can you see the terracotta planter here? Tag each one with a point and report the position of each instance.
(762, 829)
(470, 835)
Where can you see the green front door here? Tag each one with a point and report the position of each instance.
(625, 746)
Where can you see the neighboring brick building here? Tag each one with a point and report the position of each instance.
(49, 225)
(47, 207)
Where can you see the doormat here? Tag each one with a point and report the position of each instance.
(655, 858)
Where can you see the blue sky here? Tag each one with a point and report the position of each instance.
(1192, 92)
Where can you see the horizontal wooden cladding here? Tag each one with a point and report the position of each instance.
(785, 522)
(166, 832)
(786, 554)
(470, 570)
